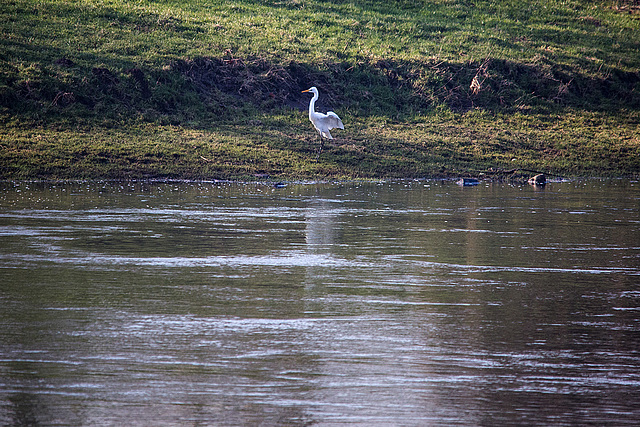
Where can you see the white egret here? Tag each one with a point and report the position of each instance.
(322, 122)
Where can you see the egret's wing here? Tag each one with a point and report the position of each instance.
(333, 121)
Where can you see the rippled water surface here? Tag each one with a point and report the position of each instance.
(398, 303)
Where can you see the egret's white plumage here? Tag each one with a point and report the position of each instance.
(322, 122)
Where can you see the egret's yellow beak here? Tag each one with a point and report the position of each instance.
(307, 90)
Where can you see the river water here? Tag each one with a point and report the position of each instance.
(388, 303)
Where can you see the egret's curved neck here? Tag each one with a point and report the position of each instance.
(312, 104)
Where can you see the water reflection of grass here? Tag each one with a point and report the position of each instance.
(195, 90)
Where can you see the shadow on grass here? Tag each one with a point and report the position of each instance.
(205, 89)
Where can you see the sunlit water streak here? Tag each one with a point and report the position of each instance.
(405, 303)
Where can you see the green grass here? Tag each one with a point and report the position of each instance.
(211, 89)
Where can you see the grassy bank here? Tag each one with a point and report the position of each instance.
(205, 90)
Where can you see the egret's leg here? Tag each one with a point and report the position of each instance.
(320, 150)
